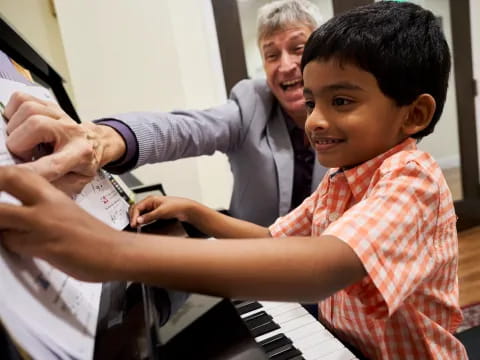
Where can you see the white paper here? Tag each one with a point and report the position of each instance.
(101, 200)
(43, 309)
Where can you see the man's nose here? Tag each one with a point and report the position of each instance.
(288, 62)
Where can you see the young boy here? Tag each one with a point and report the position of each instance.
(375, 79)
(375, 243)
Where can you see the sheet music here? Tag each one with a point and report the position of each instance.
(45, 311)
(101, 200)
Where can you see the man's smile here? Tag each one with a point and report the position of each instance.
(291, 84)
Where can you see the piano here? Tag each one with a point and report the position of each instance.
(288, 331)
(254, 330)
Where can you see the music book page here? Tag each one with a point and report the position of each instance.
(47, 313)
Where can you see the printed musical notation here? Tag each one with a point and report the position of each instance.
(55, 308)
(61, 294)
(102, 200)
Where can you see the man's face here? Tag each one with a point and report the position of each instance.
(349, 119)
(282, 52)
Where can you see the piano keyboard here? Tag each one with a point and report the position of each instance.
(286, 331)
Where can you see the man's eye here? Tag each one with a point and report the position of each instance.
(340, 101)
(270, 57)
(299, 48)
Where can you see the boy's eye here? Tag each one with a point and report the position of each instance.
(309, 105)
(339, 101)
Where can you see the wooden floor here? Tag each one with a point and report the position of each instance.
(468, 247)
(469, 266)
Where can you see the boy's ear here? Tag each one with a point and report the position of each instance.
(419, 114)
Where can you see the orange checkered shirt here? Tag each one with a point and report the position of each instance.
(396, 212)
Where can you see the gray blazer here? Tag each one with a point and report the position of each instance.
(250, 129)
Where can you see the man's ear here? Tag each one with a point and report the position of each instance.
(419, 114)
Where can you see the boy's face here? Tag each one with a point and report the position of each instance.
(281, 53)
(349, 119)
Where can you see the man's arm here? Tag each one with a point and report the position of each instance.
(51, 226)
(79, 150)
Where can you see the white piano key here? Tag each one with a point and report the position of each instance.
(289, 332)
(342, 354)
(323, 348)
(273, 304)
(301, 312)
(288, 315)
(307, 334)
(312, 339)
(281, 309)
(286, 328)
(247, 314)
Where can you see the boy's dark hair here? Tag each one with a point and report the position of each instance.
(400, 43)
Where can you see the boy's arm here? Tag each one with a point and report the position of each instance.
(299, 269)
(206, 220)
(292, 269)
(218, 225)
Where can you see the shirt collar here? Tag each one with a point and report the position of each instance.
(289, 121)
(359, 177)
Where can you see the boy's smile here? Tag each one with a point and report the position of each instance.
(349, 119)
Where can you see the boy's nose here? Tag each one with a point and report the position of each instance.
(316, 122)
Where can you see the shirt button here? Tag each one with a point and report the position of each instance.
(332, 216)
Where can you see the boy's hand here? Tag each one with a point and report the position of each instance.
(49, 225)
(159, 207)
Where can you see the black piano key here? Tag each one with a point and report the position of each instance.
(206, 338)
(284, 353)
(274, 342)
(264, 328)
(246, 306)
(259, 316)
(260, 323)
(298, 357)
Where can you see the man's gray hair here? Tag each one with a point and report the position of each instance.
(279, 14)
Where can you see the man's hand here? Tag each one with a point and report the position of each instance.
(77, 151)
(49, 225)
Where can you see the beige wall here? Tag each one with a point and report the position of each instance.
(35, 21)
